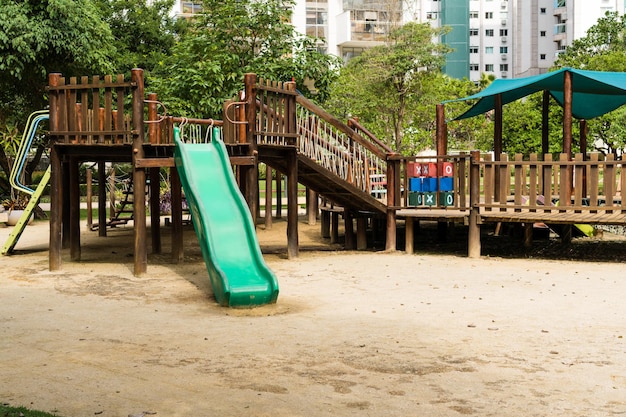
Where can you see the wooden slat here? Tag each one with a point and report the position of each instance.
(579, 173)
(520, 183)
(609, 179)
(108, 106)
(593, 180)
(488, 180)
(532, 180)
(119, 117)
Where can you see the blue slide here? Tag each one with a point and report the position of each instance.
(222, 220)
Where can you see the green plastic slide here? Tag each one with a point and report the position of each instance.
(221, 218)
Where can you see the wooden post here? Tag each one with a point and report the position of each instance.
(409, 235)
(74, 203)
(583, 151)
(311, 206)
(89, 179)
(473, 241)
(139, 176)
(334, 228)
(155, 209)
(102, 199)
(279, 194)
(528, 235)
(497, 139)
(391, 202)
(361, 233)
(177, 216)
(350, 241)
(268, 197)
(567, 114)
(292, 204)
(54, 256)
(325, 224)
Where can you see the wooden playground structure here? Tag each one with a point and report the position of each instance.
(355, 175)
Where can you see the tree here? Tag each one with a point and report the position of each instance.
(38, 37)
(144, 32)
(602, 49)
(229, 39)
(383, 85)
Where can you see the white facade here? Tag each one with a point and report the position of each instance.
(508, 38)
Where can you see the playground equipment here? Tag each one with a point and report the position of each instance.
(15, 178)
(223, 224)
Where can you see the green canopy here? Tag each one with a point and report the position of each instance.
(594, 93)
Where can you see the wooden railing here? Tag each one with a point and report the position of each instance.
(545, 186)
(455, 196)
(96, 111)
(341, 149)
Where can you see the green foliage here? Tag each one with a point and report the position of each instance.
(8, 411)
(144, 32)
(389, 86)
(602, 49)
(230, 39)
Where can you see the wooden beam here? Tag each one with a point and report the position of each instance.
(391, 202)
(55, 241)
(567, 127)
(292, 205)
(334, 229)
(350, 241)
(154, 162)
(473, 240)
(361, 233)
(409, 235)
(139, 176)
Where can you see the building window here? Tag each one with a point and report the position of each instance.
(488, 15)
(542, 57)
(432, 15)
(542, 10)
(489, 67)
(473, 15)
(504, 49)
(348, 52)
(489, 49)
(504, 32)
(191, 7)
(473, 49)
(542, 33)
(473, 32)
(489, 32)
(316, 20)
(504, 67)
(473, 67)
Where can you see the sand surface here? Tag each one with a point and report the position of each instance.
(352, 334)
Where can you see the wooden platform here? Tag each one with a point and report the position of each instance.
(617, 217)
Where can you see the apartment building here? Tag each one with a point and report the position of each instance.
(506, 38)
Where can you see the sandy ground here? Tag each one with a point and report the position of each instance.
(352, 334)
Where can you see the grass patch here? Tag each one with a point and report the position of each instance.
(8, 411)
